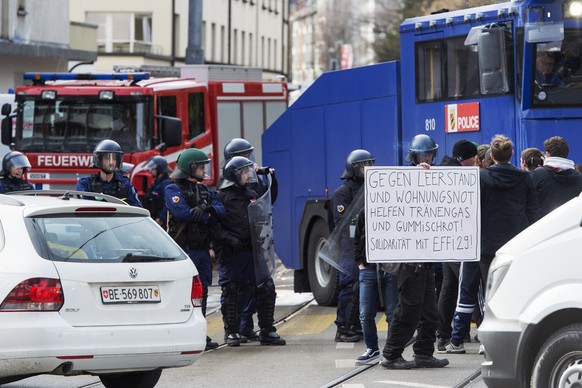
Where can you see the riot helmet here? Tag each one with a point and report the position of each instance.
(108, 156)
(188, 163)
(355, 160)
(239, 170)
(159, 164)
(14, 160)
(422, 149)
(238, 147)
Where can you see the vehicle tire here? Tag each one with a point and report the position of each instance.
(323, 278)
(147, 379)
(559, 361)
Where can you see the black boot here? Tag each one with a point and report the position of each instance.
(210, 345)
(271, 338)
(229, 314)
(345, 335)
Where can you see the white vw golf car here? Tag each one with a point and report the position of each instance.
(93, 287)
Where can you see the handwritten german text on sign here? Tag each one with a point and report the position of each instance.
(422, 215)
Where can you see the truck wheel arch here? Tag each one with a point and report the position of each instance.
(313, 231)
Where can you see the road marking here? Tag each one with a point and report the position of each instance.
(351, 363)
(307, 324)
(409, 384)
(353, 386)
(344, 345)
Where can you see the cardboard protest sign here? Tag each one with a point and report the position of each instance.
(422, 215)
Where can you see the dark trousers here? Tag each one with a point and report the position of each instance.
(470, 298)
(416, 310)
(447, 301)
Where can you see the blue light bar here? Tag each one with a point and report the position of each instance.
(42, 77)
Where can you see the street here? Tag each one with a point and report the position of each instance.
(311, 358)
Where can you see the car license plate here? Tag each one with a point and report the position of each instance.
(132, 294)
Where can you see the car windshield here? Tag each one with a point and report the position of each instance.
(101, 239)
(69, 124)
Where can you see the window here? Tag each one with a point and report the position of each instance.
(167, 106)
(556, 71)
(213, 42)
(123, 32)
(446, 69)
(429, 71)
(196, 114)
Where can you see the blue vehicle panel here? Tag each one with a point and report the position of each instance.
(467, 74)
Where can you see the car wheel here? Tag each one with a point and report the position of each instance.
(559, 361)
(147, 379)
(323, 278)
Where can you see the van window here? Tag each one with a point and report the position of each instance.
(196, 114)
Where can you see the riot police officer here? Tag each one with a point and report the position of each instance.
(192, 207)
(14, 165)
(154, 198)
(342, 202)
(423, 149)
(108, 157)
(241, 147)
(235, 256)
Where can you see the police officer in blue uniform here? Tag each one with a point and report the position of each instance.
(193, 207)
(108, 157)
(235, 256)
(155, 194)
(14, 165)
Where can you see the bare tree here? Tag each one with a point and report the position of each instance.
(337, 28)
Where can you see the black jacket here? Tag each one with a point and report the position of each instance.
(509, 204)
(342, 199)
(234, 226)
(555, 187)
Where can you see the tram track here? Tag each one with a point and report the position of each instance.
(335, 382)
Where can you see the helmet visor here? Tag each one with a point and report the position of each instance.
(111, 161)
(423, 157)
(359, 166)
(19, 161)
(246, 175)
(200, 170)
(151, 165)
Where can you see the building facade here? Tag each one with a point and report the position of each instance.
(37, 36)
(152, 32)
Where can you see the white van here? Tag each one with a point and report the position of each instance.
(532, 329)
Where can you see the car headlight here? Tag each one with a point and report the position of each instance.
(496, 276)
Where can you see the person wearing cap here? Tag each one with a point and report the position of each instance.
(464, 154)
(192, 209)
(108, 157)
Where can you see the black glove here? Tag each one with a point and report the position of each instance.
(236, 244)
(197, 214)
(210, 210)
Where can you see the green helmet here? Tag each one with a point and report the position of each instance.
(187, 163)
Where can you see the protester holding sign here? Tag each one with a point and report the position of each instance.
(417, 299)
(509, 204)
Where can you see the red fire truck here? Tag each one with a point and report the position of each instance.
(60, 118)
